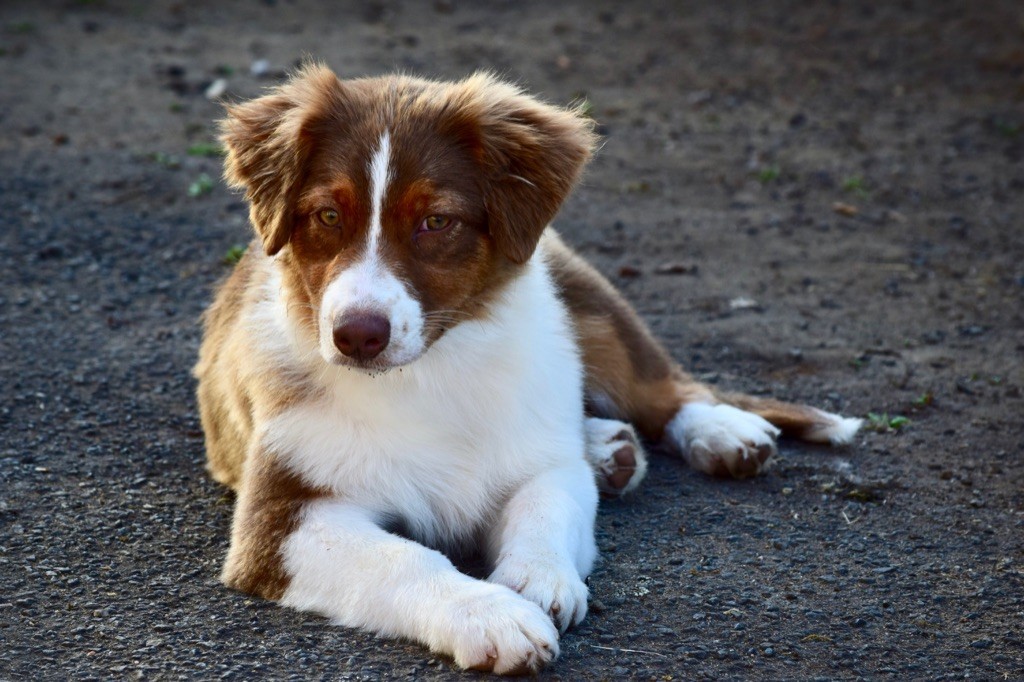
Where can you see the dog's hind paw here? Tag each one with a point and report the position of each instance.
(722, 440)
(616, 456)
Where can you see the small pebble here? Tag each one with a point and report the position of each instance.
(629, 272)
(259, 68)
(844, 209)
(216, 89)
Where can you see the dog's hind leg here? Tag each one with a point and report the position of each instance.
(630, 377)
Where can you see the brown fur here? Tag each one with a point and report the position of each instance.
(269, 503)
(225, 410)
(797, 421)
(625, 364)
(237, 389)
(269, 141)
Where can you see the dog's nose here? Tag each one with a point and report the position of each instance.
(362, 335)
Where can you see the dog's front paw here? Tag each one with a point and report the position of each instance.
(492, 629)
(722, 440)
(555, 588)
(616, 456)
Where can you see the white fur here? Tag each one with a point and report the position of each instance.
(712, 435)
(602, 444)
(344, 566)
(543, 544)
(498, 457)
(380, 177)
(369, 286)
(835, 429)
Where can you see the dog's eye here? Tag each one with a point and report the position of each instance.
(329, 217)
(435, 223)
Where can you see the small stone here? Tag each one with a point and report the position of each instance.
(216, 89)
(972, 330)
(744, 303)
(259, 68)
(676, 268)
(844, 209)
(699, 97)
(629, 272)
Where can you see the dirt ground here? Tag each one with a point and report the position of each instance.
(821, 201)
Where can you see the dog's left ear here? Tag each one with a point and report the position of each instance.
(533, 154)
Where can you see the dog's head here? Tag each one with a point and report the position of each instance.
(397, 206)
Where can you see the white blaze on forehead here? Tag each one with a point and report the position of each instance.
(369, 284)
(380, 176)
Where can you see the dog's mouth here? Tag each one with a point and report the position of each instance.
(373, 367)
(377, 366)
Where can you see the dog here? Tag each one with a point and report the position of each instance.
(409, 363)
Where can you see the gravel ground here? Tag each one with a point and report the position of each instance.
(820, 201)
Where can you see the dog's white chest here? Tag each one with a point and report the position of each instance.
(441, 443)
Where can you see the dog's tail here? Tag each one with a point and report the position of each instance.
(798, 421)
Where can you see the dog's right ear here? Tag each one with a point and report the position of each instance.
(268, 146)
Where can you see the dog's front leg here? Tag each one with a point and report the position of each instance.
(317, 553)
(345, 566)
(543, 545)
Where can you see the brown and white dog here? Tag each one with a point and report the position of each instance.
(411, 362)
